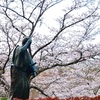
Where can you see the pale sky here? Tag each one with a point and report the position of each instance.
(55, 12)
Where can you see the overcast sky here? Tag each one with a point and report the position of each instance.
(57, 11)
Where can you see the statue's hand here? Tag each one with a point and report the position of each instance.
(30, 41)
(34, 70)
(34, 74)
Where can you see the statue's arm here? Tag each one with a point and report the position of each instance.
(13, 57)
(27, 45)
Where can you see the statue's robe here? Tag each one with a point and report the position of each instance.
(20, 72)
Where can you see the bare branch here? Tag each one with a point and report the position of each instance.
(61, 30)
(13, 23)
(80, 59)
(22, 3)
(41, 91)
(17, 13)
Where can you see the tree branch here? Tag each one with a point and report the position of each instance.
(41, 91)
(60, 31)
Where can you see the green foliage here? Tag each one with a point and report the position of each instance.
(3, 98)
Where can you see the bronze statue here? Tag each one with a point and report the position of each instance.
(23, 66)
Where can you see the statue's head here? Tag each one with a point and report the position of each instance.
(25, 40)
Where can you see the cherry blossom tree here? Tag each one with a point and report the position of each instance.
(63, 33)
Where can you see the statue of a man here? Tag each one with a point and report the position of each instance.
(23, 66)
